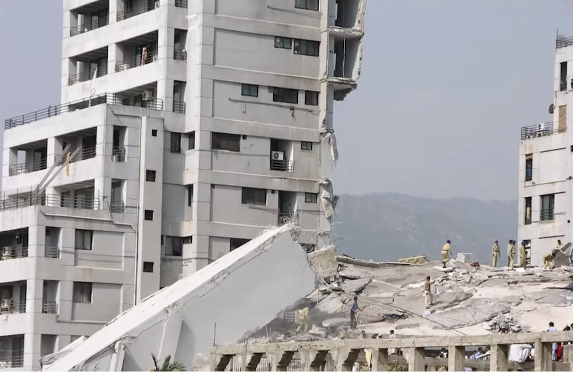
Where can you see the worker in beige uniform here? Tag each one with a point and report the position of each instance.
(522, 255)
(428, 297)
(511, 254)
(494, 254)
(548, 258)
(446, 252)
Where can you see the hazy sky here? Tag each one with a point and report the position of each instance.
(445, 87)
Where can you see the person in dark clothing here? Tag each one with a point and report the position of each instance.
(353, 309)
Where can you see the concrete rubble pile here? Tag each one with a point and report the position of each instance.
(502, 323)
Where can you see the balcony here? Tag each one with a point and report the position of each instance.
(282, 165)
(118, 154)
(86, 76)
(49, 200)
(181, 3)
(50, 307)
(25, 168)
(93, 25)
(9, 252)
(143, 7)
(107, 98)
(8, 306)
(138, 60)
(539, 130)
(563, 42)
(11, 359)
(179, 107)
(180, 54)
(52, 252)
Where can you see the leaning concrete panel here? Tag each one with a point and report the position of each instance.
(240, 292)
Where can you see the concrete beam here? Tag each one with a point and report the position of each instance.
(498, 358)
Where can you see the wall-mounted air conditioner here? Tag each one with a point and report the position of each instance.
(5, 304)
(148, 95)
(7, 252)
(278, 156)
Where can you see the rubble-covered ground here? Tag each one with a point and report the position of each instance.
(467, 300)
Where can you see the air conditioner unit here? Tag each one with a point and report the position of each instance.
(148, 95)
(6, 304)
(278, 156)
(7, 252)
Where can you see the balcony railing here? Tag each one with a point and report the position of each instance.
(50, 307)
(95, 24)
(107, 98)
(52, 252)
(9, 252)
(11, 359)
(539, 130)
(527, 220)
(181, 3)
(25, 168)
(563, 42)
(528, 174)
(9, 306)
(77, 202)
(117, 207)
(138, 60)
(143, 7)
(87, 75)
(285, 166)
(180, 54)
(179, 107)
(118, 154)
(546, 215)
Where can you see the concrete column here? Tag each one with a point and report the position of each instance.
(280, 360)
(67, 246)
(102, 188)
(64, 299)
(380, 360)
(568, 356)
(114, 56)
(543, 362)
(113, 8)
(36, 241)
(165, 93)
(34, 293)
(498, 358)
(345, 359)
(62, 341)
(32, 342)
(416, 361)
(456, 357)
(10, 158)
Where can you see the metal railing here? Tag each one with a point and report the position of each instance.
(11, 359)
(13, 253)
(118, 154)
(85, 153)
(117, 207)
(546, 215)
(179, 107)
(25, 168)
(50, 307)
(12, 307)
(285, 166)
(563, 42)
(143, 7)
(50, 200)
(180, 54)
(539, 130)
(181, 3)
(95, 24)
(52, 252)
(106, 98)
(527, 220)
(87, 76)
(136, 61)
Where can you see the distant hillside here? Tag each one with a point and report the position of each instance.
(390, 226)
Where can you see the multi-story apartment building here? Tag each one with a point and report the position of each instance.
(185, 129)
(546, 168)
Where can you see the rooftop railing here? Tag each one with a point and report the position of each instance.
(11, 359)
(95, 24)
(50, 200)
(106, 98)
(563, 42)
(136, 61)
(143, 7)
(87, 75)
(25, 168)
(13, 253)
(539, 130)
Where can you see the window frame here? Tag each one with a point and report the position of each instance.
(310, 197)
(282, 42)
(234, 243)
(249, 90)
(304, 4)
(191, 140)
(83, 233)
(146, 270)
(528, 202)
(149, 175)
(175, 142)
(528, 167)
(311, 98)
(306, 146)
(304, 47)
(251, 196)
(145, 212)
(547, 213)
(79, 295)
(285, 95)
(218, 137)
(189, 195)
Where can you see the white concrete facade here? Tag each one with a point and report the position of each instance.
(546, 168)
(197, 125)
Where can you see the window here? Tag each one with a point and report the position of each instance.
(305, 145)
(150, 175)
(237, 242)
(83, 239)
(563, 76)
(226, 141)
(290, 96)
(191, 139)
(311, 98)
(306, 4)
(187, 240)
(174, 246)
(547, 207)
(527, 215)
(306, 47)
(154, 133)
(148, 267)
(175, 142)
(189, 195)
(82, 292)
(149, 215)
(283, 43)
(254, 196)
(528, 167)
(249, 90)
(310, 197)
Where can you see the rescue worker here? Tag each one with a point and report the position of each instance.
(428, 297)
(548, 261)
(446, 252)
(511, 254)
(495, 254)
(303, 319)
(353, 310)
(522, 255)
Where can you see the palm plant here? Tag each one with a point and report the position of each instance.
(167, 365)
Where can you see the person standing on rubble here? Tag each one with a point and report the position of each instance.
(303, 319)
(522, 255)
(495, 254)
(510, 254)
(446, 252)
(353, 310)
(554, 345)
(428, 297)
